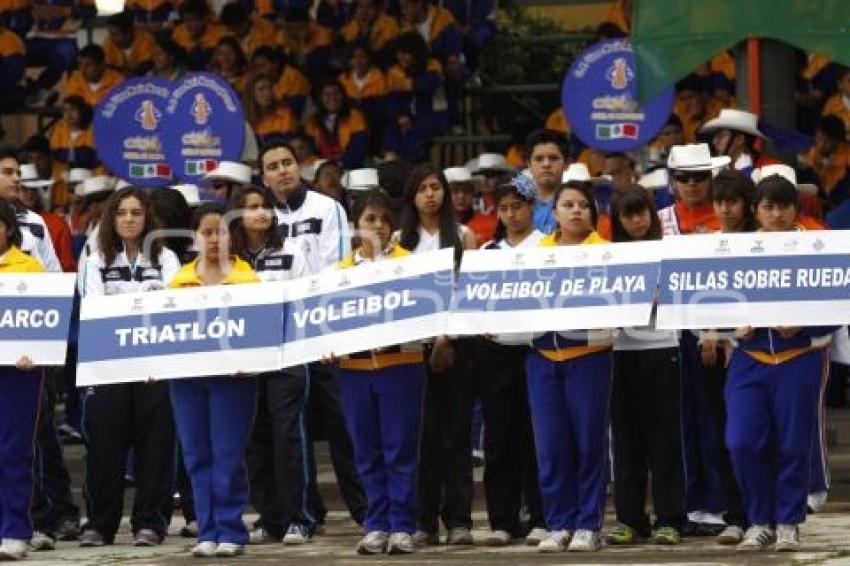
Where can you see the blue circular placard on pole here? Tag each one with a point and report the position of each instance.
(128, 126)
(600, 100)
(205, 124)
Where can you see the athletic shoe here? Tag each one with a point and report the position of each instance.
(147, 537)
(91, 538)
(13, 549)
(535, 536)
(204, 549)
(229, 550)
(400, 543)
(585, 541)
(423, 538)
(189, 530)
(757, 538)
(787, 538)
(622, 535)
(459, 536)
(666, 536)
(557, 541)
(297, 534)
(815, 502)
(375, 542)
(68, 530)
(498, 538)
(262, 536)
(733, 534)
(41, 541)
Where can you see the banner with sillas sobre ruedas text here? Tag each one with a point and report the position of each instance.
(128, 126)
(555, 288)
(755, 279)
(373, 305)
(35, 315)
(176, 333)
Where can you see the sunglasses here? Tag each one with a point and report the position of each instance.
(691, 176)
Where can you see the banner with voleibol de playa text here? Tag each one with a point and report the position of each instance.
(176, 333)
(755, 279)
(35, 314)
(557, 288)
(369, 306)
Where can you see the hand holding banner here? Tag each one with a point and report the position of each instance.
(35, 314)
(557, 288)
(369, 306)
(176, 333)
(755, 279)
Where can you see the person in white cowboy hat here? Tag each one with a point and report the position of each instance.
(804, 190)
(190, 192)
(734, 134)
(93, 193)
(691, 167)
(227, 176)
(462, 187)
(35, 196)
(489, 168)
(36, 150)
(35, 238)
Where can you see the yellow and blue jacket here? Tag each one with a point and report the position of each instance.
(16, 261)
(239, 274)
(12, 59)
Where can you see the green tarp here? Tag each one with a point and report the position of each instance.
(672, 37)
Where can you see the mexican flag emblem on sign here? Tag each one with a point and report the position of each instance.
(200, 166)
(150, 171)
(617, 131)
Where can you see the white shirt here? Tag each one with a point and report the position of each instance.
(35, 240)
(124, 276)
(429, 242)
(280, 265)
(318, 225)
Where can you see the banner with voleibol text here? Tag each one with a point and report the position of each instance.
(175, 333)
(557, 288)
(755, 279)
(35, 314)
(369, 306)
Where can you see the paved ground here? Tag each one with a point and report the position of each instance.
(826, 536)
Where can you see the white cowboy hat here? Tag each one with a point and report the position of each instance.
(95, 185)
(30, 178)
(579, 172)
(695, 157)
(490, 162)
(786, 172)
(458, 175)
(122, 184)
(736, 120)
(190, 192)
(365, 179)
(658, 179)
(231, 172)
(77, 175)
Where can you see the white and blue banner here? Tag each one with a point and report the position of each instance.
(557, 288)
(755, 279)
(35, 314)
(373, 305)
(175, 333)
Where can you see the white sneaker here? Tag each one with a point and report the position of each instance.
(815, 502)
(375, 542)
(713, 519)
(585, 541)
(13, 549)
(733, 534)
(204, 549)
(787, 538)
(400, 543)
(261, 536)
(557, 541)
(757, 537)
(229, 550)
(497, 538)
(297, 534)
(535, 536)
(41, 541)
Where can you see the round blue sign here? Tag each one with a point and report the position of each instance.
(600, 99)
(205, 125)
(128, 126)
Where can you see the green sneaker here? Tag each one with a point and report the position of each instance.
(667, 536)
(622, 535)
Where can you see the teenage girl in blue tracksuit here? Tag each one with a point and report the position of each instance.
(569, 382)
(772, 394)
(214, 415)
(20, 391)
(382, 400)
